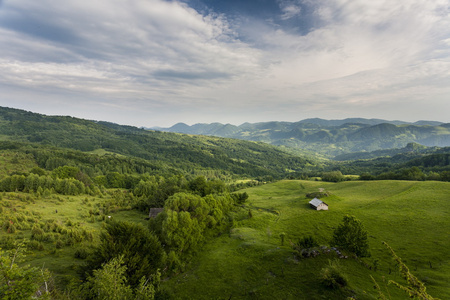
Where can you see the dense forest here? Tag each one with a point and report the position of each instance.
(75, 195)
(183, 152)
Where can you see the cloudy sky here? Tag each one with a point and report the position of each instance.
(156, 63)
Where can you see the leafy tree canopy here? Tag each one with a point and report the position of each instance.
(141, 250)
(351, 235)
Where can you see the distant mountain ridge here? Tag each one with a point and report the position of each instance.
(329, 137)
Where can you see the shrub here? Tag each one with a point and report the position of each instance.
(81, 253)
(36, 232)
(8, 242)
(332, 276)
(307, 242)
(59, 243)
(11, 229)
(239, 198)
(35, 245)
(317, 195)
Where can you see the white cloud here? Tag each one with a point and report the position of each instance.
(289, 8)
(132, 39)
(164, 57)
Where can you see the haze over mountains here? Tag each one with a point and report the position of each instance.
(330, 137)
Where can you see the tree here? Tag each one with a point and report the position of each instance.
(351, 235)
(199, 186)
(334, 176)
(110, 282)
(141, 250)
(20, 282)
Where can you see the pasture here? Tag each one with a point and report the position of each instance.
(251, 261)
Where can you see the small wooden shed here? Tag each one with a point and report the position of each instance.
(318, 204)
(154, 212)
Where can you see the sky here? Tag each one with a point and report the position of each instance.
(156, 63)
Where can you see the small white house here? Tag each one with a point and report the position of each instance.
(318, 204)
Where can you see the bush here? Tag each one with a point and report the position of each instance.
(37, 233)
(35, 245)
(307, 242)
(317, 195)
(7, 242)
(59, 243)
(332, 276)
(81, 253)
(239, 198)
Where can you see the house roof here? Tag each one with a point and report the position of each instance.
(316, 202)
(154, 212)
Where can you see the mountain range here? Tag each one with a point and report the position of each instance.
(329, 137)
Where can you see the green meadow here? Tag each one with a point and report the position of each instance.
(68, 225)
(251, 262)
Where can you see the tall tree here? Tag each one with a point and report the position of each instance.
(141, 250)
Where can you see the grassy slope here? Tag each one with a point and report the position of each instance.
(60, 262)
(413, 217)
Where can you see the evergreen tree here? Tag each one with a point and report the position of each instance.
(141, 250)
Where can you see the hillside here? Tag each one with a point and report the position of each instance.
(173, 153)
(178, 151)
(65, 181)
(330, 137)
(252, 262)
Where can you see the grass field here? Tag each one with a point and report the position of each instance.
(64, 214)
(250, 262)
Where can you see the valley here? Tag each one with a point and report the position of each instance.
(75, 197)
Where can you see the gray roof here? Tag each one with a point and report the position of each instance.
(316, 202)
(154, 212)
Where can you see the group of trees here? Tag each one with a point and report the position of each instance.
(350, 236)
(128, 259)
(131, 255)
(66, 180)
(413, 173)
(159, 151)
(333, 176)
(189, 220)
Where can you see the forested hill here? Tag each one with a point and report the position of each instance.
(330, 137)
(169, 150)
